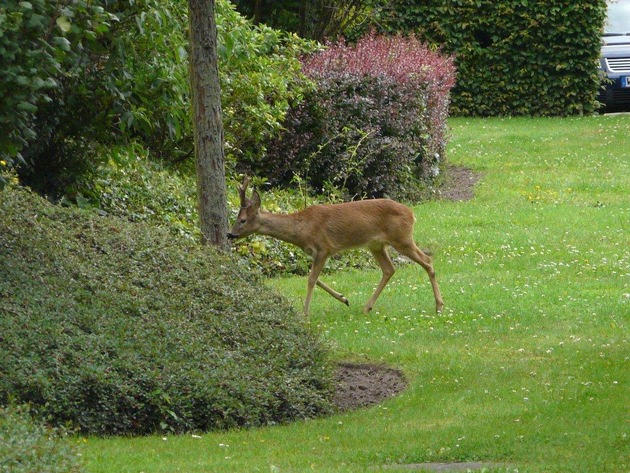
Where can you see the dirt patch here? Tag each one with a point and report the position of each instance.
(363, 385)
(459, 183)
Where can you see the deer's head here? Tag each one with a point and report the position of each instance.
(248, 220)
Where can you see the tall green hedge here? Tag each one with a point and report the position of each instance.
(514, 57)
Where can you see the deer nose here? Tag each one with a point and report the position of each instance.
(231, 236)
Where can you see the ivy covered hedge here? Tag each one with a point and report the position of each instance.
(122, 328)
(526, 57)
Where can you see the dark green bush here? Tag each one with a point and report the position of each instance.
(374, 126)
(28, 446)
(528, 57)
(117, 327)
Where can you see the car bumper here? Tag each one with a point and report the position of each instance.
(613, 96)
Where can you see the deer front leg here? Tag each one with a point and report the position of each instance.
(385, 262)
(333, 293)
(319, 258)
(411, 251)
(425, 261)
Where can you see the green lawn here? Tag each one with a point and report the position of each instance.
(528, 365)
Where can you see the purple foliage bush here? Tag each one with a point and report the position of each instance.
(375, 125)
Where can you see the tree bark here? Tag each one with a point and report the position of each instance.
(258, 9)
(207, 124)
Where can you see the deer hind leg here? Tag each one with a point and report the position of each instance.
(385, 262)
(319, 258)
(411, 250)
(333, 293)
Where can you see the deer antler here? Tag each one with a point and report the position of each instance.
(242, 191)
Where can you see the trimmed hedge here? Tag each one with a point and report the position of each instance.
(527, 57)
(118, 327)
(375, 124)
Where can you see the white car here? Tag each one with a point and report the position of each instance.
(615, 58)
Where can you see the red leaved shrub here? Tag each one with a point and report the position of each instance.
(376, 122)
(401, 58)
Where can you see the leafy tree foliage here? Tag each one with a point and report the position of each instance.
(315, 19)
(43, 45)
(88, 74)
(261, 78)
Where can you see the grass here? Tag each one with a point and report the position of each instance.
(528, 364)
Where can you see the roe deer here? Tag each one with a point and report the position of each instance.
(323, 230)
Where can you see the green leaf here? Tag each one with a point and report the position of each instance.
(26, 107)
(63, 22)
(62, 42)
(22, 80)
(229, 45)
(83, 203)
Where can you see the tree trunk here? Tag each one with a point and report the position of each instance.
(258, 9)
(208, 128)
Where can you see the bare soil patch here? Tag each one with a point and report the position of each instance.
(363, 385)
(459, 183)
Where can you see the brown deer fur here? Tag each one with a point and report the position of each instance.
(323, 230)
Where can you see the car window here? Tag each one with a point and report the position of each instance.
(618, 20)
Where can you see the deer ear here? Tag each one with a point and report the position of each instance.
(255, 200)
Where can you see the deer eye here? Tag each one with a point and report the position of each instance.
(243, 220)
